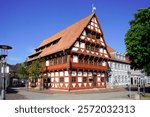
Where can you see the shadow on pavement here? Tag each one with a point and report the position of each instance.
(135, 88)
(13, 94)
(12, 90)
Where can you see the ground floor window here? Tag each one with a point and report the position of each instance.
(73, 79)
(61, 79)
(84, 79)
(102, 79)
(90, 79)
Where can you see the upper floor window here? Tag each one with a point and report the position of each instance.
(86, 61)
(92, 48)
(81, 60)
(95, 62)
(91, 61)
(59, 60)
(93, 36)
(89, 34)
(51, 62)
(87, 47)
(64, 59)
(55, 61)
(96, 49)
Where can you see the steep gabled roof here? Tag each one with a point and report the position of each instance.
(66, 38)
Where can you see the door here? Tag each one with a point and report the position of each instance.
(131, 81)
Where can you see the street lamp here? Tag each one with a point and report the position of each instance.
(129, 85)
(143, 83)
(4, 51)
(109, 73)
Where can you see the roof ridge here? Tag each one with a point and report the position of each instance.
(67, 27)
(68, 36)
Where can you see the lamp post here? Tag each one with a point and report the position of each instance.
(129, 85)
(143, 83)
(4, 51)
(109, 73)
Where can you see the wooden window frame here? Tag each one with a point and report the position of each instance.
(92, 48)
(61, 79)
(91, 61)
(55, 61)
(88, 47)
(81, 60)
(65, 59)
(59, 60)
(84, 79)
(86, 61)
(51, 62)
(102, 79)
(74, 80)
(90, 79)
(96, 49)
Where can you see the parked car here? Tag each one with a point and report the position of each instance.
(21, 82)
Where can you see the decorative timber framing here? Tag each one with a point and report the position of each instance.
(76, 57)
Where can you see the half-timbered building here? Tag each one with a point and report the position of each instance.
(76, 57)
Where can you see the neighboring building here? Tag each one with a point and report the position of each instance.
(121, 74)
(76, 57)
(119, 67)
(138, 77)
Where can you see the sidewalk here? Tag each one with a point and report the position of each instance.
(84, 91)
(12, 94)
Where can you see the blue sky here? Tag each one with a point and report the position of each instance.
(24, 24)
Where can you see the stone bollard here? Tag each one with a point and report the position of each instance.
(137, 97)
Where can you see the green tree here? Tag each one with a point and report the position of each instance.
(23, 70)
(137, 40)
(34, 69)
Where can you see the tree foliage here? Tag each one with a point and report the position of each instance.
(34, 69)
(137, 40)
(23, 70)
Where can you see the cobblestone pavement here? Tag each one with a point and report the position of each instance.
(22, 93)
(13, 94)
(94, 94)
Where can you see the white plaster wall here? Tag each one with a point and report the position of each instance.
(76, 44)
(66, 79)
(61, 73)
(75, 59)
(66, 73)
(82, 45)
(79, 79)
(47, 63)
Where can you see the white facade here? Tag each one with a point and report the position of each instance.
(119, 73)
(137, 77)
(119, 70)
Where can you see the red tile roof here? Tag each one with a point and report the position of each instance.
(111, 50)
(67, 37)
